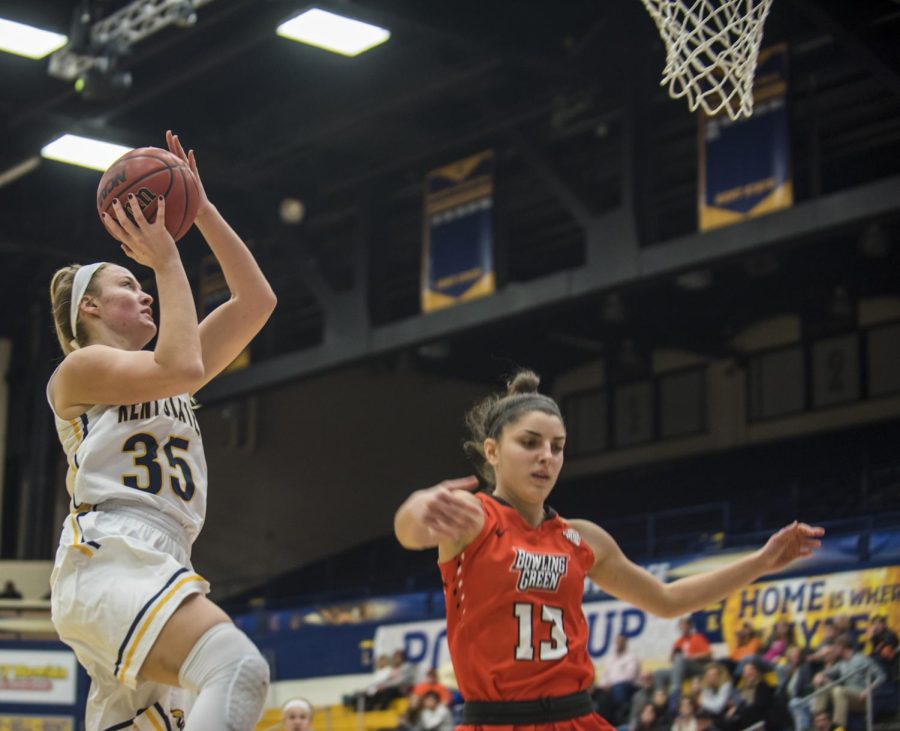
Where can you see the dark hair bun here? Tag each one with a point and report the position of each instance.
(524, 381)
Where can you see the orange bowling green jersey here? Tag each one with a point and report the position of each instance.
(515, 625)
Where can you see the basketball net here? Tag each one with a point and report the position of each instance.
(711, 51)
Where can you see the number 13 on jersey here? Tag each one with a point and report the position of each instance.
(554, 648)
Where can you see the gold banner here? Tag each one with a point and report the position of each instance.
(808, 601)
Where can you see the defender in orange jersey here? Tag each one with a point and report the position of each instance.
(513, 570)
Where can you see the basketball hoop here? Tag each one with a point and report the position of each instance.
(711, 51)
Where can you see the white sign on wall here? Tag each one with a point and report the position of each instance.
(649, 637)
(37, 676)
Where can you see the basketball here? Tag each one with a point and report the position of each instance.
(150, 172)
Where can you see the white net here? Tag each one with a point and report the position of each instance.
(711, 51)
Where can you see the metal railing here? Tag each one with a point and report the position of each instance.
(870, 712)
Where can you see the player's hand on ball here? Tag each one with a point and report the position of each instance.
(147, 243)
(449, 513)
(174, 144)
(794, 541)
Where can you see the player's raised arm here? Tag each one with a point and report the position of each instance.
(227, 330)
(620, 577)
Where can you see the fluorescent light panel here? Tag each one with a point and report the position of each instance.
(28, 41)
(332, 32)
(83, 151)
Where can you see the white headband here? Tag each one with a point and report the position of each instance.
(297, 703)
(79, 286)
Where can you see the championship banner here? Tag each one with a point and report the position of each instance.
(212, 292)
(745, 168)
(45, 677)
(458, 241)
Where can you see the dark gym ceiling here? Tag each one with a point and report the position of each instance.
(570, 87)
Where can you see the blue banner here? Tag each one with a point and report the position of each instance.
(458, 257)
(745, 168)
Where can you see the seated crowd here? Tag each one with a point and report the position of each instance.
(767, 680)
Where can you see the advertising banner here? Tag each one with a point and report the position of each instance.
(45, 677)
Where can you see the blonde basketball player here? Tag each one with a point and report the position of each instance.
(125, 596)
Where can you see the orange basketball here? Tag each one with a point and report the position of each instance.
(150, 172)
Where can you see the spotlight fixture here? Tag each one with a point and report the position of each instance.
(97, 85)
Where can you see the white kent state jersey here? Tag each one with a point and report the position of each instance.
(149, 455)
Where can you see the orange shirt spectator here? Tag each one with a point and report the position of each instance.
(692, 644)
(748, 643)
(431, 685)
(742, 651)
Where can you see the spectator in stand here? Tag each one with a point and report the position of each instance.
(434, 716)
(716, 690)
(397, 684)
(843, 626)
(10, 591)
(690, 653)
(648, 720)
(882, 643)
(705, 720)
(686, 720)
(296, 715)
(432, 685)
(861, 676)
(753, 701)
(822, 722)
(792, 692)
(642, 696)
(409, 719)
(618, 682)
(780, 639)
(379, 675)
(665, 713)
(747, 645)
(822, 656)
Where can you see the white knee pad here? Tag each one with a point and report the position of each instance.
(231, 678)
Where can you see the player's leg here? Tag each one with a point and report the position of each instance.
(201, 650)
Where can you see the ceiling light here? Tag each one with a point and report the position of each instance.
(333, 32)
(88, 153)
(28, 41)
